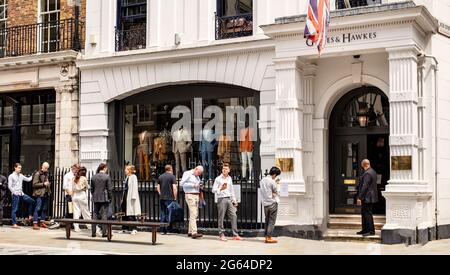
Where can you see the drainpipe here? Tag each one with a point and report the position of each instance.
(436, 126)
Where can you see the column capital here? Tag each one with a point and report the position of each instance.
(404, 52)
(65, 89)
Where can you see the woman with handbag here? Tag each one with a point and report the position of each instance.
(131, 204)
(80, 198)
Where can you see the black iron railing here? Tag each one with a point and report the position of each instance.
(133, 38)
(346, 4)
(234, 26)
(45, 37)
(250, 210)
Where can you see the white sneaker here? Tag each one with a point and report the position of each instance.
(121, 232)
(134, 232)
(77, 230)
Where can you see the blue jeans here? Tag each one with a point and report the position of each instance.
(15, 206)
(164, 212)
(207, 162)
(40, 212)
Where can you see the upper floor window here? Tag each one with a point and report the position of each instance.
(131, 30)
(3, 18)
(3, 13)
(234, 18)
(49, 18)
(347, 4)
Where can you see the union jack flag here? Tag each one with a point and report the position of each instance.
(317, 22)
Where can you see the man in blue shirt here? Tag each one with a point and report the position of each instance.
(191, 184)
(15, 181)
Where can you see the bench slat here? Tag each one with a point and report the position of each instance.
(113, 222)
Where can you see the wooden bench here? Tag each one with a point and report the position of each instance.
(109, 223)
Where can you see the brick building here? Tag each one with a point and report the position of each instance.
(40, 41)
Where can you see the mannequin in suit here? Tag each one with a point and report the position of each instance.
(143, 152)
(246, 149)
(206, 149)
(181, 145)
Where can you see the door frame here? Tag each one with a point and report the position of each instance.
(335, 132)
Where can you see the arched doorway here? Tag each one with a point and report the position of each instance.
(359, 129)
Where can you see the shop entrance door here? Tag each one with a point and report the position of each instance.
(349, 151)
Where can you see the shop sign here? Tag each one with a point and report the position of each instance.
(401, 163)
(285, 164)
(348, 38)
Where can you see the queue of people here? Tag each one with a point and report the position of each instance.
(76, 188)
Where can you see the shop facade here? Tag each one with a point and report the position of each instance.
(372, 94)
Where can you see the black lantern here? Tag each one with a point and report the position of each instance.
(363, 114)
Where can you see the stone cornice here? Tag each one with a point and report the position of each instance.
(37, 60)
(359, 18)
(176, 55)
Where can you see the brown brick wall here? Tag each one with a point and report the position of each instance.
(25, 12)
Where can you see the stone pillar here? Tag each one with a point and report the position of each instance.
(66, 140)
(408, 193)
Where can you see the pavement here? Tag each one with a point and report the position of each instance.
(53, 242)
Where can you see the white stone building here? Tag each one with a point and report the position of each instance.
(379, 91)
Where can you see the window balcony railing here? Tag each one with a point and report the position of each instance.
(133, 38)
(45, 37)
(234, 26)
(347, 4)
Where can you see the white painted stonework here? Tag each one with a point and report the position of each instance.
(298, 91)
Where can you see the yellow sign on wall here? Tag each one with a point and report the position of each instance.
(285, 164)
(402, 163)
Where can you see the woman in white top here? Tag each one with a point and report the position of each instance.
(131, 204)
(80, 198)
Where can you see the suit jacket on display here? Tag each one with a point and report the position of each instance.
(224, 148)
(181, 141)
(160, 149)
(144, 143)
(367, 187)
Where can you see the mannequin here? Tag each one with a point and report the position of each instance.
(161, 145)
(143, 152)
(246, 149)
(224, 149)
(180, 146)
(207, 148)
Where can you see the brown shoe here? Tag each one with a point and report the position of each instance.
(270, 240)
(35, 226)
(43, 225)
(196, 235)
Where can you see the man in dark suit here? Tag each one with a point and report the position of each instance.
(3, 188)
(101, 189)
(367, 197)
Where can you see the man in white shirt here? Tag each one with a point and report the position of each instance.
(67, 187)
(15, 181)
(226, 202)
(192, 184)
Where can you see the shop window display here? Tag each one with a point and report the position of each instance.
(150, 142)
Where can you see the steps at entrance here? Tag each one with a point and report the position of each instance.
(343, 228)
(349, 235)
(353, 222)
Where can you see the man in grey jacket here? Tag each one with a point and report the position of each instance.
(101, 189)
(269, 195)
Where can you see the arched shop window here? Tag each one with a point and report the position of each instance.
(145, 136)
